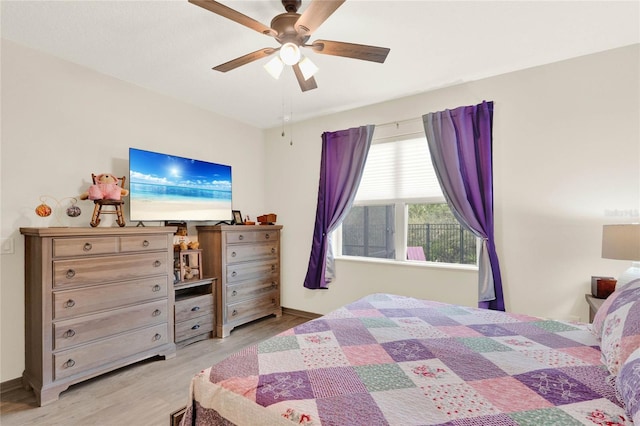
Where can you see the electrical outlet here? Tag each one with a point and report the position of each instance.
(7, 246)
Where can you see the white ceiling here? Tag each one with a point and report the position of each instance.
(170, 47)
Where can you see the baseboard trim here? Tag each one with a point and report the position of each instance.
(10, 385)
(298, 313)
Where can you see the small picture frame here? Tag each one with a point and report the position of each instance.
(237, 217)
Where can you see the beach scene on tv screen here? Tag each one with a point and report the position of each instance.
(167, 187)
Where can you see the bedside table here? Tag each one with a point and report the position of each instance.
(594, 304)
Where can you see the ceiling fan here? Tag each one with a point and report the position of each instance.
(292, 30)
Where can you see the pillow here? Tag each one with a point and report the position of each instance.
(621, 327)
(601, 314)
(628, 385)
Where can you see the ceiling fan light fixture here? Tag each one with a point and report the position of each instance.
(308, 68)
(293, 30)
(290, 53)
(274, 67)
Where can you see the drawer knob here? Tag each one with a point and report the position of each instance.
(234, 313)
(156, 312)
(156, 288)
(87, 247)
(145, 243)
(273, 250)
(195, 327)
(233, 254)
(69, 333)
(70, 303)
(273, 284)
(195, 309)
(157, 336)
(234, 293)
(157, 263)
(71, 273)
(267, 236)
(273, 267)
(234, 273)
(70, 363)
(241, 237)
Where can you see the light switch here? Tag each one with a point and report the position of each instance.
(7, 246)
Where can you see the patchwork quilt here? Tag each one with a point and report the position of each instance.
(393, 360)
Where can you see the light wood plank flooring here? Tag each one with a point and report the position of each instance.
(142, 394)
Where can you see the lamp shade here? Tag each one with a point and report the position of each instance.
(307, 68)
(621, 241)
(274, 67)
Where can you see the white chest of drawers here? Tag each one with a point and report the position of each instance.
(246, 261)
(96, 299)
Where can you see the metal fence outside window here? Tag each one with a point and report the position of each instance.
(443, 242)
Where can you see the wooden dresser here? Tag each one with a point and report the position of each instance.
(194, 310)
(96, 299)
(246, 261)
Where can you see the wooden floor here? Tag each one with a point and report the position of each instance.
(142, 394)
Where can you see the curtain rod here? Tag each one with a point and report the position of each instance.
(399, 122)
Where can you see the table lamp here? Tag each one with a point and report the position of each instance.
(622, 242)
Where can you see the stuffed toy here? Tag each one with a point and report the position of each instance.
(182, 241)
(105, 188)
(192, 245)
(188, 273)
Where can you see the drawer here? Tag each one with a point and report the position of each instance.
(94, 270)
(259, 306)
(252, 271)
(84, 246)
(194, 327)
(143, 243)
(193, 307)
(238, 292)
(248, 252)
(70, 303)
(93, 355)
(76, 331)
(234, 237)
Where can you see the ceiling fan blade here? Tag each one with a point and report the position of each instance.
(243, 60)
(315, 14)
(305, 85)
(227, 12)
(351, 50)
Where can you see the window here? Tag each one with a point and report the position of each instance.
(368, 231)
(434, 229)
(399, 211)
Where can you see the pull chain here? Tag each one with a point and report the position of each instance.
(282, 85)
(291, 125)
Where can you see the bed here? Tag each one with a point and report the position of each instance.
(394, 360)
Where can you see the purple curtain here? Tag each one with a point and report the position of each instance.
(344, 154)
(460, 143)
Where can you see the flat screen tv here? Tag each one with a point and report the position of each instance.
(165, 187)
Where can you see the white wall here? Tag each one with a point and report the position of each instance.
(566, 153)
(566, 161)
(62, 122)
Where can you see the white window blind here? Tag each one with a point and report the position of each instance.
(399, 170)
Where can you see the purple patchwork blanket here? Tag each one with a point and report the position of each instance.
(392, 360)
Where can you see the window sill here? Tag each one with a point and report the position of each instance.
(409, 263)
